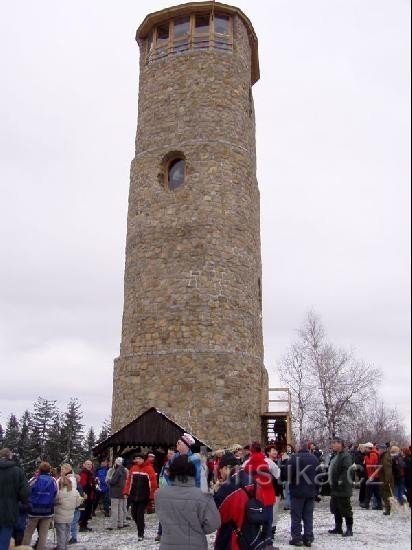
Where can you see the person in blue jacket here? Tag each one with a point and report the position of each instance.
(102, 493)
(183, 447)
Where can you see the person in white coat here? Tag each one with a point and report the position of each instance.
(67, 500)
(271, 459)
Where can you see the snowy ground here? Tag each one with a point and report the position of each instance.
(371, 529)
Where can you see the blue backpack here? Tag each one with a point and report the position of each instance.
(43, 493)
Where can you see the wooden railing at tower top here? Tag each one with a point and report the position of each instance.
(279, 409)
(286, 400)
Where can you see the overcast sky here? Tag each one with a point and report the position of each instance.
(333, 145)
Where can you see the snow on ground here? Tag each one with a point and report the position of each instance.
(371, 529)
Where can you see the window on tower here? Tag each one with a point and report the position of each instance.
(196, 31)
(222, 32)
(176, 173)
(181, 34)
(162, 39)
(201, 31)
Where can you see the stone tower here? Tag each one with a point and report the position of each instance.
(192, 323)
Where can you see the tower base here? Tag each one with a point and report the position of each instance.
(217, 396)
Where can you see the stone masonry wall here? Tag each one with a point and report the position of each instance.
(192, 332)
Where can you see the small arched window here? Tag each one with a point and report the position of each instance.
(176, 173)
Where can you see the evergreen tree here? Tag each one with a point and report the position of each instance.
(90, 442)
(33, 457)
(55, 443)
(1, 436)
(72, 432)
(105, 432)
(44, 413)
(23, 447)
(12, 435)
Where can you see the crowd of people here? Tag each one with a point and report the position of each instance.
(235, 492)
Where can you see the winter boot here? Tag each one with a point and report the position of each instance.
(349, 525)
(337, 531)
(338, 526)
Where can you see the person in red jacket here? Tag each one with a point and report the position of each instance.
(231, 498)
(258, 467)
(140, 487)
(88, 484)
(371, 465)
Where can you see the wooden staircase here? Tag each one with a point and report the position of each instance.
(277, 421)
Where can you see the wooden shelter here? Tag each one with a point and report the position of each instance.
(151, 430)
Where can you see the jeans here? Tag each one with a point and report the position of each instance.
(268, 526)
(138, 509)
(74, 526)
(301, 509)
(5, 536)
(286, 495)
(62, 535)
(275, 512)
(400, 492)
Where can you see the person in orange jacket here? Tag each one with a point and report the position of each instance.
(371, 463)
(140, 487)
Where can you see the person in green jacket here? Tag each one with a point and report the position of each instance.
(13, 489)
(340, 480)
(385, 477)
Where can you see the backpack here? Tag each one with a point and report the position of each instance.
(252, 536)
(43, 493)
(398, 467)
(256, 514)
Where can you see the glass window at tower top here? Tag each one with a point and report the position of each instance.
(222, 24)
(191, 32)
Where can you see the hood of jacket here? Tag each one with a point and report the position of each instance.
(256, 461)
(6, 463)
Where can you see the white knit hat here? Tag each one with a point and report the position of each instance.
(119, 461)
(188, 439)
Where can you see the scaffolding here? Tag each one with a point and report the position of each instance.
(277, 420)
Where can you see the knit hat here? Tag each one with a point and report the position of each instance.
(369, 445)
(381, 446)
(188, 439)
(119, 461)
(138, 455)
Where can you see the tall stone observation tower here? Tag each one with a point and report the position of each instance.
(192, 324)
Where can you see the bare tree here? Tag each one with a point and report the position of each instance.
(378, 423)
(328, 384)
(344, 383)
(293, 372)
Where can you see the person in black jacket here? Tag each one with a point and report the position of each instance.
(14, 489)
(302, 468)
